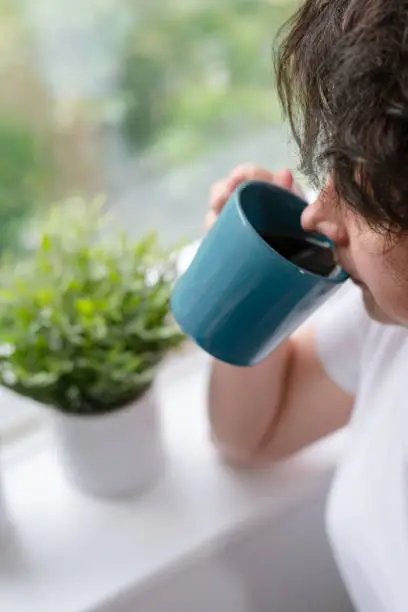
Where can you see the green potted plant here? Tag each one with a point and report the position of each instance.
(85, 323)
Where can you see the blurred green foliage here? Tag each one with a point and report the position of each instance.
(192, 72)
(25, 174)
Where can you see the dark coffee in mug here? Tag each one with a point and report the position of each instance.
(306, 252)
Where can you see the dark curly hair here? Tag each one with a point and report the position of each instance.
(342, 76)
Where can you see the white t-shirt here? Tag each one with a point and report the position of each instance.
(367, 515)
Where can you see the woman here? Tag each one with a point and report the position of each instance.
(343, 80)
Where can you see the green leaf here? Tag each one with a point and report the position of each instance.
(46, 243)
(85, 307)
(41, 379)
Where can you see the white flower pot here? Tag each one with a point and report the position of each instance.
(111, 455)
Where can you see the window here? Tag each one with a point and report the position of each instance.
(147, 102)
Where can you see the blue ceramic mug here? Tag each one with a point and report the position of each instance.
(245, 292)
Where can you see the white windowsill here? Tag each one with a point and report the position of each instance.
(73, 554)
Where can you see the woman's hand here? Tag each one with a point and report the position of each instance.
(221, 190)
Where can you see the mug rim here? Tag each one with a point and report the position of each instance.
(337, 276)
